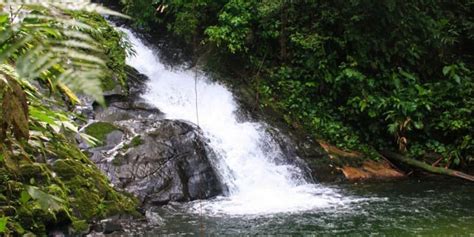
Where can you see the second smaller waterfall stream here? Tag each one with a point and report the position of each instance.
(246, 153)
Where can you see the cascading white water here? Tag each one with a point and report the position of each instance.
(246, 153)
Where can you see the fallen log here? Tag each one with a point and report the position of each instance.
(427, 167)
(333, 150)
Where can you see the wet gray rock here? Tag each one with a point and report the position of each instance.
(126, 104)
(117, 90)
(114, 138)
(168, 161)
(154, 218)
(111, 227)
(154, 159)
(118, 110)
(290, 152)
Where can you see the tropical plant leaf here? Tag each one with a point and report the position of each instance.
(15, 110)
(47, 40)
(46, 201)
(3, 224)
(72, 97)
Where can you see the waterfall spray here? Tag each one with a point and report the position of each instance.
(246, 152)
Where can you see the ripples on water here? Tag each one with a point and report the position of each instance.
(402, 208)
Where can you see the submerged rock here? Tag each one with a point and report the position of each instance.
(168, 161)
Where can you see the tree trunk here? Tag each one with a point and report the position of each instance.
(427, 167)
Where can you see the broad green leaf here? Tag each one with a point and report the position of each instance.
(3, 224)
(46, 201)
(3, 18)
(24, 197)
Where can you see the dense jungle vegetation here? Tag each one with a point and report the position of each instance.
(50, 53)
(364, 75)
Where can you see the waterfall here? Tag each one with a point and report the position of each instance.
(246, 153)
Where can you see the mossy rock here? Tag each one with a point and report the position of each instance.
(85, 190)
(80, 225)
(35, 171)
(29, 222)
(86, 203)
(109, 84)
(90, 192)
(136, 141)
(118, 159)
(100, 130)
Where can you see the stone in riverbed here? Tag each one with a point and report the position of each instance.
(170, 163)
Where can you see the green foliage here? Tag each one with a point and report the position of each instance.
(143, 11)
(113, 43)
(136, 141)
(234, 26)
(100, 130)
(48, 53)
(3, 224)
(46, 44)
(46, 201)
(365, 75)
(186, 19)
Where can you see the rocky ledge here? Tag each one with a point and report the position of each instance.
(155, 159)
(168, 161)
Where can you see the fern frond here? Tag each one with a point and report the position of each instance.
(45, 39)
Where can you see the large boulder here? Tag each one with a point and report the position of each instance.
(168, 161)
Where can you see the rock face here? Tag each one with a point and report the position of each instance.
(170, 161)
(155, 159)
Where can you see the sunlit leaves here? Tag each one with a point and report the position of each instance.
(3, 223)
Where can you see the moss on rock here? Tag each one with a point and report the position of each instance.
(84, 194)
(136, 141)
(35, 172)
(100, 130)
(91, 194)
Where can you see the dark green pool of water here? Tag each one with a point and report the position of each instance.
(405, 207)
